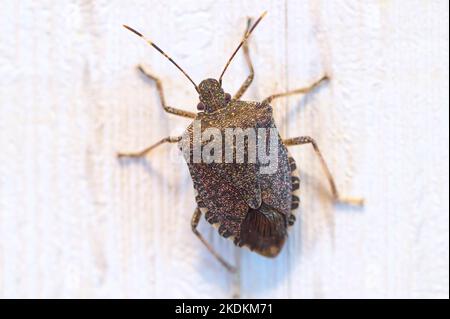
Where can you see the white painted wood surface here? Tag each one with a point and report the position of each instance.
(76, 223)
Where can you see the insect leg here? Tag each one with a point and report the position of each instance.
(159, 87)
(170, 139)
(250, 77)
(194, 223)
(308, 140)
(296, 91)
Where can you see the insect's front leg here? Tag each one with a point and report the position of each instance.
(159, 87)
(170, 139)
(308, 140)
(303, 90)
(250, 77)
(194, 223)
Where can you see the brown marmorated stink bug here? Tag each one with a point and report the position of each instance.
(246, 201)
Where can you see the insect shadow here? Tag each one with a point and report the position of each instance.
(162, 179)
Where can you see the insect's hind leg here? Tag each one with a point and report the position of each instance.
(169, 139)
(159, 87)
(194, 223)
(250, 77)
(308, 140)
(303, 90)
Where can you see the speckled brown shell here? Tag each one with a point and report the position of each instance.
(253, 209)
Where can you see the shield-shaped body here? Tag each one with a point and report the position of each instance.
(246, 201)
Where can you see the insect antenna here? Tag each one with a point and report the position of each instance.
(162, 52)
(242, 43)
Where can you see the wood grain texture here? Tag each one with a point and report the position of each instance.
(74, 222)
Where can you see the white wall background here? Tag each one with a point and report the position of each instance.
(74, 222)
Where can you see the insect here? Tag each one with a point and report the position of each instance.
(251, 208)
